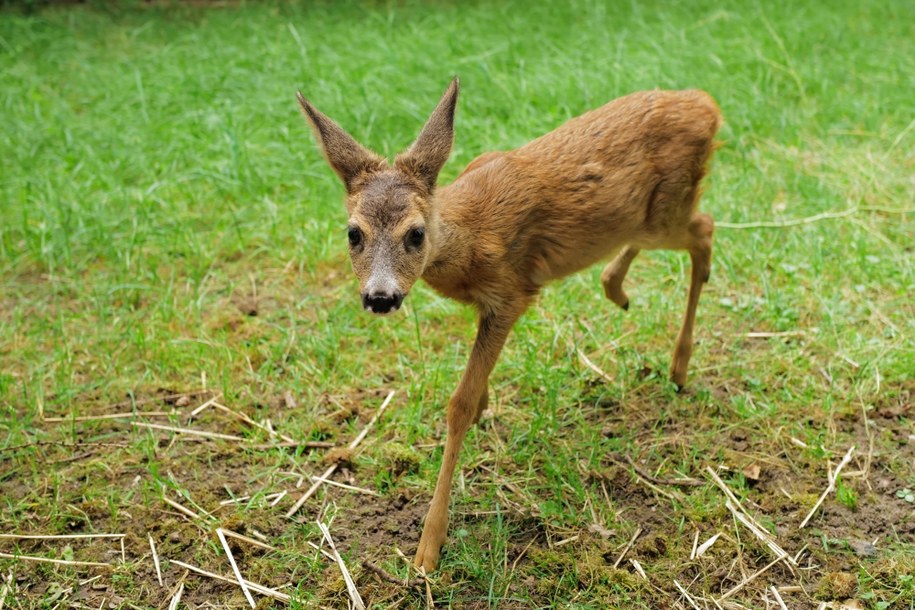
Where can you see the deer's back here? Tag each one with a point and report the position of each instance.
(623, 173)
(636, 127)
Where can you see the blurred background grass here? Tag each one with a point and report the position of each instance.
(154, 159)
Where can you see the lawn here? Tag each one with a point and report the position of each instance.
(171, 238)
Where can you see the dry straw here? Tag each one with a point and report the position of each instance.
(241, 581)
(333, 468)
(358, 604)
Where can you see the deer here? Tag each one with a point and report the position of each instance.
(618, 179)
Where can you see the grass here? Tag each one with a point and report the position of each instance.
(159, 185)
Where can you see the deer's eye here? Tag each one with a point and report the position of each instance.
(415, 238)
(355, 237)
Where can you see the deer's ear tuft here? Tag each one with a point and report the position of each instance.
(348, 158)
(428, 154)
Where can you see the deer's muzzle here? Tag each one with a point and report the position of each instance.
(382, 303)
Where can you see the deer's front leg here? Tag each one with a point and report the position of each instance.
(462, 413)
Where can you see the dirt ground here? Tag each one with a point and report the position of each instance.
(104, 476)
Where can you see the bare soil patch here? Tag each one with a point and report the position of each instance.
(107, 476)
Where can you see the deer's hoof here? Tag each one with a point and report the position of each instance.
(679, 379)
(427, 556)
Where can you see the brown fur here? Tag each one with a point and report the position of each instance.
(621, 178)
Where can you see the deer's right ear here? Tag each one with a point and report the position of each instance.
(425, 158)
(344, 154)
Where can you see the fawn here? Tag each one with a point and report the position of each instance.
(621, 178)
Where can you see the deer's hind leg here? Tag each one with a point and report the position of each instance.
(698, 242)
(615, 272)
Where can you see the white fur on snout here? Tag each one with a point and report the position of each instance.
(382, 281)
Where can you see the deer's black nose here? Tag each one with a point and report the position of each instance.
(381, 302)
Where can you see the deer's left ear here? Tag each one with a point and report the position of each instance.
(425, 158)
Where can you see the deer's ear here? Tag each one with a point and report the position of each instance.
(425, 158)
(344, 154)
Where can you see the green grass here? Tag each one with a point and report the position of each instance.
(157, 180)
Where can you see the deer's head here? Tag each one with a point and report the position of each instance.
(391, 216)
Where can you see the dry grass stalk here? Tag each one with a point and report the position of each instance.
(706, 545)
(358, 604)
(7, 587)
(833, 477)
(778, 598)
(124, 415)
(311, 490)
(657, 489)
(766, 335)
(588, 363)
(799, 554)
(368, 426)
(692, 553)
(201, 408)
(185, 511)
(251, 541)
(241, 581)
(322, 551)
(721, 485)
(361, 490)
(306, 444)
(119, 405)
(155, 557)
(421, 572)
(85, 582)
(74, 445)
(566, 541)
(333, 468)
(58, 536)
(638, 568)
(177, 598)
(522, 554)
(686, 594)
(750, 579)
(234, 500)
(791, 589)
(764, 536)
(632, 540)
(167, 398)
(737, 509)
(266, 591)
(57, 561)
(240, 499)
(189, 431)
(787, 223)
(430, 603)
(279, 497)
(241, 416)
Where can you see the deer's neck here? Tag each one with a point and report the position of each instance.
(454, 255)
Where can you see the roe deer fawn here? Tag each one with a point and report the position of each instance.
(621, 178)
